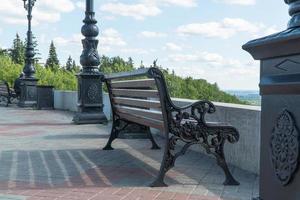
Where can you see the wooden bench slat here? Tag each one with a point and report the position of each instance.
(140, 112)
(142, 120)
(135, 93)
(3, 89)
(141, 83)
(137, 102)
(139, 72)
(6, 94)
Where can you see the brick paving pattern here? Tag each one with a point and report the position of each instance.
(44, 156)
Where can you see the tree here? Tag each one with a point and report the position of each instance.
(69, 64)
(37, 53)
(52, 61)
(4, 52)
(75, 67)
(142, 65)
(130, 62)
(17, 52)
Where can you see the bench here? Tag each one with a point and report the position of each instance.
(142, 97)
(7, 92)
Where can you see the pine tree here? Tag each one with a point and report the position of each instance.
(142, 65)
(130, 62)
(37, 53)
(52, 61)
(17, 52)
(75, 67)
(69, 64)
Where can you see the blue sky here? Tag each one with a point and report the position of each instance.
(198, 38)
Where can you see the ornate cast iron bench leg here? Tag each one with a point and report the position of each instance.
(113, 135)
(218, 143)
(221, 161)
(167, 163)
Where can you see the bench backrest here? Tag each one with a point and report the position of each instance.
(139, 96)
(4, 88)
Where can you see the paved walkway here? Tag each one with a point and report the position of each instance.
(43, 156)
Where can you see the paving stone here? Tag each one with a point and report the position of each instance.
(44, 156)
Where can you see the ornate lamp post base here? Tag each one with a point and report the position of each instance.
(28, 93)
(28, 97)
(90, 103)
(90, 99)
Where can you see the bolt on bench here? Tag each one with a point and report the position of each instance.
(7, 92)
(146, 102)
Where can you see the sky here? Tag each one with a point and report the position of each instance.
(197, 38)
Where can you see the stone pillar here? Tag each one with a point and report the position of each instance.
(280, 89)
(90, 99)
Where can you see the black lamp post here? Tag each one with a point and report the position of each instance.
(29, 82)
(90, 99)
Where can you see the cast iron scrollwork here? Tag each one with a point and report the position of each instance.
(285, 148)
(187, 124)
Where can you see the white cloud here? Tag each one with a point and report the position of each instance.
(74, 39)
(137, 11)
(111, 37)
(210, 58)
(57, 5)
(224, 29)
(172, 47)
(214, 67)
(239, 2)
(132, 51)
(49, 11)
(183, 3)
(152, 34)
(80, 5)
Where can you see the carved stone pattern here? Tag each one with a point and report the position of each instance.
(93, 91)
(285, 148)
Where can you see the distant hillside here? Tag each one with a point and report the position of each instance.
(250, 96)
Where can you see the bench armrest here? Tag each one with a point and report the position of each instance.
(198, 111)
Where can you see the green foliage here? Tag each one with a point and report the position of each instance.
(52, 61)
(66, 80)
(17, 52)
(179, 87)
(60, 79)
(71, 65)
(190, 88)
(9, 70)
(115, 64)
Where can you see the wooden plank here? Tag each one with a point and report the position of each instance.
(156, 115)
(6, 94)
(135, 93)
(142, 120)
(141, 83)
(3, 89)
(137, 102)
(139, 72)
